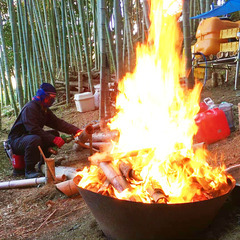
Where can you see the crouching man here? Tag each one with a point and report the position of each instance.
(27, 132)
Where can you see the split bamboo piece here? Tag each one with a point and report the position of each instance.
(50, 167)
(68, 187)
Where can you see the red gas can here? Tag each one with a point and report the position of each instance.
(213, 126)
(18, 162)
(203, 107)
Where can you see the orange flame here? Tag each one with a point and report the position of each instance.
(156, 119)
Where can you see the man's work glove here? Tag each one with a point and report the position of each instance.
(58, 141)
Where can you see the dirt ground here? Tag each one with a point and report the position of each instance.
(43, 212)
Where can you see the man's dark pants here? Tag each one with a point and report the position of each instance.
(27, 145)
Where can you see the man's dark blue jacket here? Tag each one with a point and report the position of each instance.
(33, 118)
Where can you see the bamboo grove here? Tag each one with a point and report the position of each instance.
(44, 40)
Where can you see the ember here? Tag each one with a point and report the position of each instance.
(153, 159)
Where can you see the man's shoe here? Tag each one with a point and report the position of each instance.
(18, 172)
(32, 174)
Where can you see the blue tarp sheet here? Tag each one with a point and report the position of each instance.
(228, 7)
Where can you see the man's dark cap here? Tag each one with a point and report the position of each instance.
(48, 88)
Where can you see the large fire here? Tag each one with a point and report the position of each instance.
(156, 126)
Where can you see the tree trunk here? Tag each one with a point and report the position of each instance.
(187, 45)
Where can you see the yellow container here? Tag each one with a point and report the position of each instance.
(199, 73)
(208, 35)
(229, 47)
(229, 33)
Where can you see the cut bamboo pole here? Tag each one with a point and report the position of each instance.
(114, 176)
(157, 195)
(105, 137)
(22, 183)
(85, 134)
(50, 167)
(50, 170)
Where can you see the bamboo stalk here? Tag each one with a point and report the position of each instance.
(118, 40)
(82, 20)
(43, 38)
(49, 42)
(23, 65)
(58, 32)
(16, 53)
(4, 83)
(95, 33)
(13, 102)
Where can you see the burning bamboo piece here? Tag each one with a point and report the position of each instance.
(104, 188)
(114, 176)
(157, 195)
(85, 134)
(127, 171)
(105, 136)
